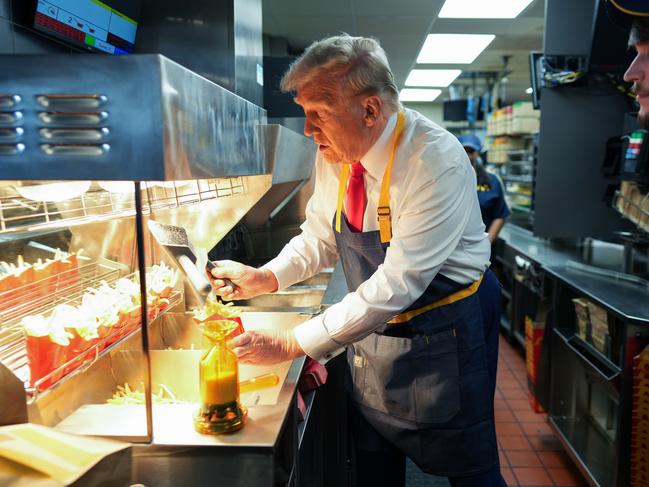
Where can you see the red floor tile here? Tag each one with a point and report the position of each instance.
(500, 405)
(566, 477)
(530, 453)
(508, 384)
(519, 373)
(505, 429)
(529, 417)
(523, 459)
(508, 475)
(554, 459)
(545, 443)
(515, 442)
(536, 429)
(519, 393)
(504, 374)
(532, 476)
(504, 415)
(518, 404)
(503, 459)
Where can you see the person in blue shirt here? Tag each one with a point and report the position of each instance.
(490, 190)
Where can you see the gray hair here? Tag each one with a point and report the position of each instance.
(356, 63)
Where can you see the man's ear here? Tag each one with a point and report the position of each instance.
(373, 105)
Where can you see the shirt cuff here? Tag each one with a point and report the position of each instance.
(283, 273)
(314, 339)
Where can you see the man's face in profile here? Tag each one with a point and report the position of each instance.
(638, 71)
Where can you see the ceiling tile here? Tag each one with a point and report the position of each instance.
(307, 7)
(422, 8)
(401, 27)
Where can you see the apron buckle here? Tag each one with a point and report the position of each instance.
(383, 213)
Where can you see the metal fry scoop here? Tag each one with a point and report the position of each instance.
(175, 241)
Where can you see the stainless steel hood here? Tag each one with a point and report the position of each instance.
(138, 117)
(289, 155)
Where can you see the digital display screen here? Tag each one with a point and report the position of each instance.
(108, 26)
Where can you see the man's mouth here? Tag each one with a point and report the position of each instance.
(323, 147)
(641, 93)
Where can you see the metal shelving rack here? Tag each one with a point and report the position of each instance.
(517, 175)
(20, 210)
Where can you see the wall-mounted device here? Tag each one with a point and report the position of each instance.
(108, 26)
(635, 157)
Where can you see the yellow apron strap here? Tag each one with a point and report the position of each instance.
(383, 210)
(342, 185)
(457, 296)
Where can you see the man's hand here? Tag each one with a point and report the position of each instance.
(266, 347)
(244, 281)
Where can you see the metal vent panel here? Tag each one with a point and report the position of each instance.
(144, 118)
(82, 117)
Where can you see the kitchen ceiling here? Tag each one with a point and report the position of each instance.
(402, 26)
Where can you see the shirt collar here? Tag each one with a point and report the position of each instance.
(376, 158)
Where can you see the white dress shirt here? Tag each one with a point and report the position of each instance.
(436, 227)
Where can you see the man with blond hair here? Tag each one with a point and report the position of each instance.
(395, 200)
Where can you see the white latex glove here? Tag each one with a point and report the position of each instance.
(246, 281)
(266, 347)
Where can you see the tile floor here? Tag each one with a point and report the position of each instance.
(530, 453)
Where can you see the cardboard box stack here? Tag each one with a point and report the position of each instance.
(640, 421)
(592, 324)
(634, 204)
(583, 318)
(500, 147)
(524, 119)
(599, 327)
(516, 119)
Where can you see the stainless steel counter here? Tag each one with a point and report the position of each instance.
(537, 249)
(627, 299)
(593, 274)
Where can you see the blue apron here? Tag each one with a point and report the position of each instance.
(424, 385)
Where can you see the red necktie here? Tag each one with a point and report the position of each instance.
(355, 204)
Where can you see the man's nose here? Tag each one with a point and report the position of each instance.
(309, 128)
(635, 72)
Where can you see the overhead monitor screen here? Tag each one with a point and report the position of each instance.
(108, 26)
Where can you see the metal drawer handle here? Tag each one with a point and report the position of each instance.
(11, 118)
(9, 101)
(11, 149)
(11, 134)
(69, 135)
(593, 363)
(67, 101)
(75, 149)
(76, 118)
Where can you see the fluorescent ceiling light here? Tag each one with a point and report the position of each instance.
(432, 77)
(482, 9)
(453, 48)
(418, 94)
(529, 90)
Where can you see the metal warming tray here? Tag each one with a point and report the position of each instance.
(140, 137)
(174, 346)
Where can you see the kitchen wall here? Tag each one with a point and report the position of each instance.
(431, 110)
